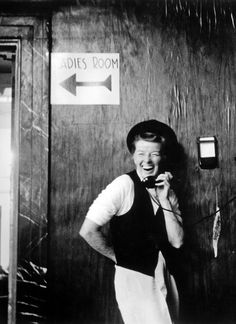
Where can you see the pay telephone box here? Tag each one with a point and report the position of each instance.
(207, 152)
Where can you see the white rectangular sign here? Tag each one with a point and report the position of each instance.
(85, 79)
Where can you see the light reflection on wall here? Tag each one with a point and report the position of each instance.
(5, 172)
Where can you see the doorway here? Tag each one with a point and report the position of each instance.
(9, 135)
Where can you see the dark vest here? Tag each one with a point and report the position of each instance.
(139, 235)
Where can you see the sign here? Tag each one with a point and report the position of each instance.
(85, 79)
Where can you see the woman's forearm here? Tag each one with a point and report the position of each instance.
(97, 240)
(174, 227)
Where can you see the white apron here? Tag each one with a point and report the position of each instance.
(142, 298)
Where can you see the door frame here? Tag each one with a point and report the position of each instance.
(30, 142)
(14, 46)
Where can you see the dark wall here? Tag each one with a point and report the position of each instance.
(177, 64)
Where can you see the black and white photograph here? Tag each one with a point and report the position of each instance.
(117, 161)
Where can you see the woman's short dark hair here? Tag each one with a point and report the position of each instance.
(149, 137)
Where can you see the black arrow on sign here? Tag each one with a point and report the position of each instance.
(70, 84)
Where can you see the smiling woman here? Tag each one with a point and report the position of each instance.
(147, 157)
(145, 227)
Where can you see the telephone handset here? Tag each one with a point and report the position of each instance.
(150, 182)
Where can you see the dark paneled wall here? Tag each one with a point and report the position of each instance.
(177, 67)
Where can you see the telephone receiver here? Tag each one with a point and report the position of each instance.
(150, 181)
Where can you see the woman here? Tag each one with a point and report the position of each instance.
(146, 226)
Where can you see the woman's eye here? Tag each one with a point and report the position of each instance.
(155, 154)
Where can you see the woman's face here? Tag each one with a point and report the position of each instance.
(147, 157)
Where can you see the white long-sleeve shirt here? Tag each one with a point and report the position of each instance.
(117, 199)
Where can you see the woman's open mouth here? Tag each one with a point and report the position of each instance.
(148, 169)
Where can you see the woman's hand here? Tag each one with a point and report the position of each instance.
(173, 223)
(163, 185)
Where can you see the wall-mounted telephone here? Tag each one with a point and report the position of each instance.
(207, 152)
